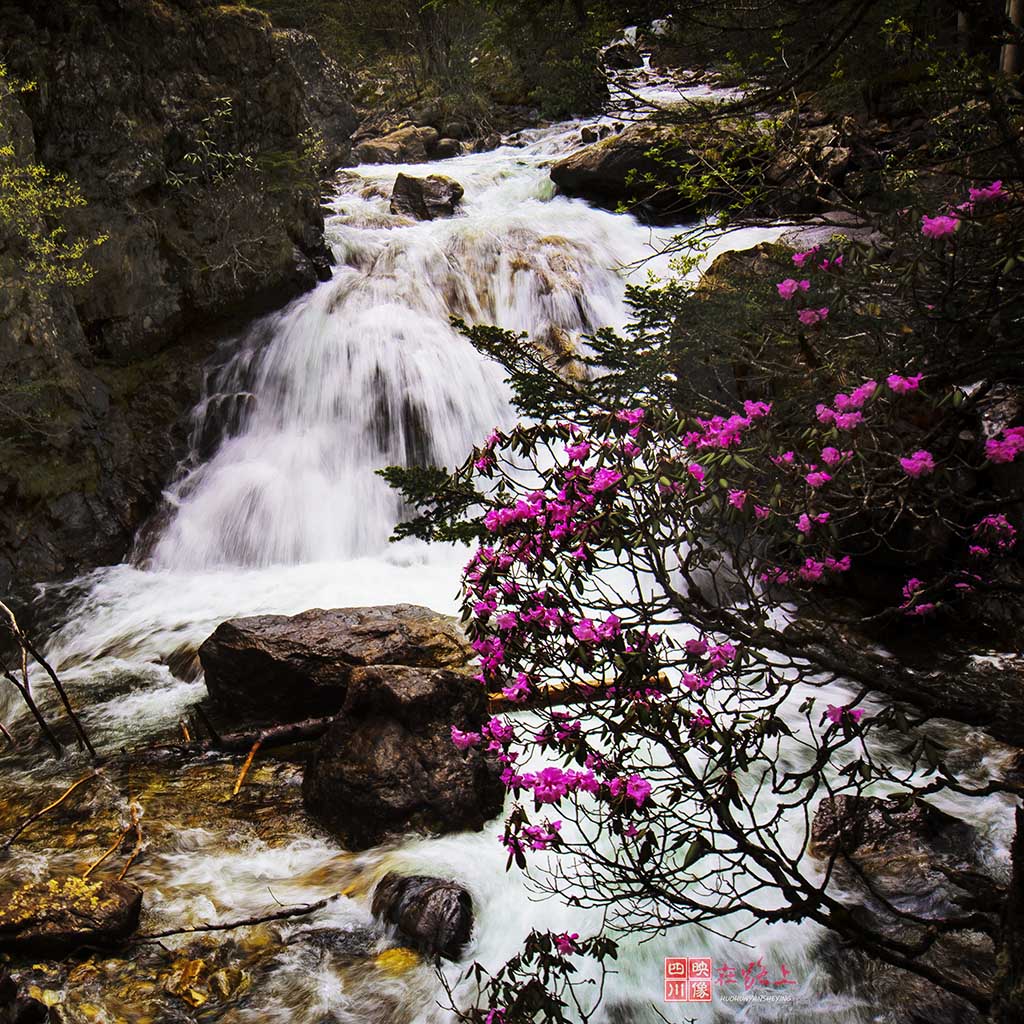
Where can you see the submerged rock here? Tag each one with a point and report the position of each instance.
(891, 860)
(387, 766)
(59, 915)
(432, 914)
(283, 668)
(17, 1006)
(447, 148)
(622, 55)
(425, 198)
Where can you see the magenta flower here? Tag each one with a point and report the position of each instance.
(787, 458)
(832, 456)
(737, 499)
(755, 410)
(919, 464)
(938, 227)
(519, 690)
(789, 287)
(761, 513)
(698, 648)
(630, 416)
(848, 420)
(566, 943)
(638, 789)
(836, 714)
(605, 478)
(578, 452)
(902, 385)
(993, 191)
(810, 317)
(696, 470)
(818, 478)
(800, 258)
(465, 740)
(1007, 447)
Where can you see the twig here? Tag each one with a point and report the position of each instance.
(245, 767)
(281, 915)
(96, 863)
(184, 730)
(137, 826)
(49, 807)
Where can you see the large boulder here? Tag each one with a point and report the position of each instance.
(285, 668)
(890, 860)
(431, 914)
(56, 916)
(387, 765)
(426, 198)
(622, 55)
(409, 145)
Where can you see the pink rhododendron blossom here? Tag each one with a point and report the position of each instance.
(465, 740)
(836, 263)
(761, 513)
(605, 478)
(938, 227)
(566, 943)
(919, 464)
(636, 788)
(903, 385)
(755, 410)
(787, 458)
(696, 471)
(519, 690)
(836, 714)
(698, 648)
(810, 317)
(495, 1016)
(578, 452)
(927, 608)
(789, 287)
(630, 416)
(737, 499)
(806, 523)
(911, 587)
(800, 258)
(812, 570)
(988, 192)
(848, 420)
(1007, 447)
(818, 478)
(721, 655)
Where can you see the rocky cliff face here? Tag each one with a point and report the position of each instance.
(198, 133)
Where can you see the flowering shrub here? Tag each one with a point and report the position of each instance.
(692, 565)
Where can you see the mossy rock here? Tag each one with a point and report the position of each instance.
(56, 916)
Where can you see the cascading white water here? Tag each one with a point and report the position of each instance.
(279, 509)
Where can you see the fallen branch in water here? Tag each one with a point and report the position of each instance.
(245, 767)
(280, 915)
(273, 735)
(27, 649)
(49, 807)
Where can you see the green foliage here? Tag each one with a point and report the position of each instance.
(210, 162)
(34, 204)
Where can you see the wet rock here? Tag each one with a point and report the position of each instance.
(588, 135)
(894, 859)
(431, 914)
(18, 1007)
(387, 765)
(357, 943)
(124, 97)
(425, 198)
(409, 145)
(282, 668)
(59, 915)
(622, 55)
(455, 130)
(487, 143)
(447, 148)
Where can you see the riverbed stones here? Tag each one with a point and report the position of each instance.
(387, 765)
(281, 668)
(891, 859)
(433, 915)
(58, 915)
(426, 198)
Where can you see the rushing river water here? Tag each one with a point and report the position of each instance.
(279, 510)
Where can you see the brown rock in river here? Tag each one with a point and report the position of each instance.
(283, 668)
(61, 914)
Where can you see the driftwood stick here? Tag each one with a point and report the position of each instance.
(27, 648)
(186, 735)
(26, 696)
(280, 915)
(274, 735)
(245, 767)
(96, 863)
(137, 849)
(6, 734)
(49, 807)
